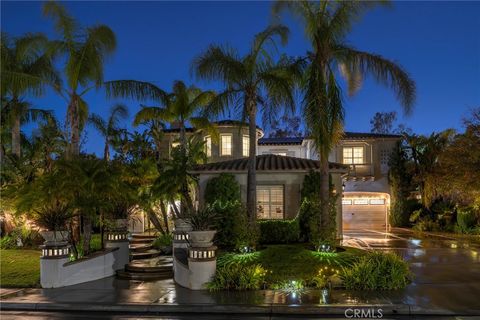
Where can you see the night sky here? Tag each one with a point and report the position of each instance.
(438, 43)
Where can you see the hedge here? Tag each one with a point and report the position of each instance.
(279, 231)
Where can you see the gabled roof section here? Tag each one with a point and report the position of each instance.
(269, 162)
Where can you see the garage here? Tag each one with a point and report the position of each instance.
(365, 211)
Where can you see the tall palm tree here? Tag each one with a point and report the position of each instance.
(253, 83)
(26, 69)
(109, 129)
(183, 105)
(85, 50)
(327, 24)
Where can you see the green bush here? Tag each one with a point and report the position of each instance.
(223, 189)
(29, 238)
(402, 210)
(309, 219)
(466, 219)
(237, 276)
(231, 224)
(164, 240)
(377, 271)
(279, 231)
(426, 224)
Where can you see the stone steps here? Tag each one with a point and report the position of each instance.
(140, 247)
(147, 254)
(148, 269)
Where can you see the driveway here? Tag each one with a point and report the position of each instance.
(447, 270)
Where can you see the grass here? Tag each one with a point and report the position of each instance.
(19, 268)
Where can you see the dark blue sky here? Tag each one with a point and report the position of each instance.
(437, 42)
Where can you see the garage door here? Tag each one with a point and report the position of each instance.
(364, 213)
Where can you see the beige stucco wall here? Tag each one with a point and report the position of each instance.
(292, 182)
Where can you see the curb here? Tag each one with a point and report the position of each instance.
(266, 309)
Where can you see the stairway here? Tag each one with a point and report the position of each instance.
(146, 262)
(141, 247)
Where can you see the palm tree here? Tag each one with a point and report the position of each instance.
(327, 24)
(251, 81)
(180, 107)
(85, 50)
(26, 68)
(109, 129)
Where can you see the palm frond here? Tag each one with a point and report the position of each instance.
(152, 113)
(138, 90)
(219, 63)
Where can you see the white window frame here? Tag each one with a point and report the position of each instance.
(354, 157)
(245, 145)
(225, 151)
(265, 207)
(208, 146)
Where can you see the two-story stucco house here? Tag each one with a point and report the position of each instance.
(358, 166)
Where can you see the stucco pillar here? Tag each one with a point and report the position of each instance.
(119, 240)
(54, 256)
(202, 263)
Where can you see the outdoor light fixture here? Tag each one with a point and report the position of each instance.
(343, 187)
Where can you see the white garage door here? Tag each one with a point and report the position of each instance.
(364, 213)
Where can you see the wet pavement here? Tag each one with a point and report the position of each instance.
(446, 270)
(447, 279)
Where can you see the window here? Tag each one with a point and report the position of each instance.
(226, 144)
(246, 146)
(353, 155)
(208, 146)
(360, 201)
(175, 144)
(377, 201)
(347, 201)
(270, 202)
(280, 153)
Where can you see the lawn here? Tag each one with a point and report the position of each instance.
(19, 268)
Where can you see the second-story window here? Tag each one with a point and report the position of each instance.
(353, 155)
(246, 146)
(226, 144)
(208, 146)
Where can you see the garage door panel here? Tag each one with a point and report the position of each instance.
(364, 216)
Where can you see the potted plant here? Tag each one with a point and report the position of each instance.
(202, 233)
(53, 218)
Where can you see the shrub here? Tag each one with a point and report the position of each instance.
(26, 237)
(279, 231)
(232, 225)
(402, 210)
(466, 219)
(426, 224)
(237, 276)
(309, 219)
(164, 240)
(311, 186)
(377, 271)
(203, 219)
(223, 188)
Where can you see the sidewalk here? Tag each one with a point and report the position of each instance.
(123, 296)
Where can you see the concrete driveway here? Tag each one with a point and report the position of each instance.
(447, 270)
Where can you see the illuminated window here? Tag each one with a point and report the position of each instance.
(353, 155)
(347, 201)
(246, 146)
(360, 201)
(280, 153)
(208, 146)
(175, 144)
(270, 202)
(377, 201)
(226, 144)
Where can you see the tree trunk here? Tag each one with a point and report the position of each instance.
(16, 146)
(74, 127)
(152, 216)
(252, 174)
(87, 234)
(163, 209)
(186, 205)
(324, 190)
(106, 151)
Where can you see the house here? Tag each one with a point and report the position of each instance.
(358, 165)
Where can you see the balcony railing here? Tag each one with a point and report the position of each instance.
(361, 170)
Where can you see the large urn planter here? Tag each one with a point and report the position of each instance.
(201, 239)
(55, 237)
(182, 225)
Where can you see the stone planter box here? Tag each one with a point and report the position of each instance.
(55, 237)
(201, 239)
(182, 225)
